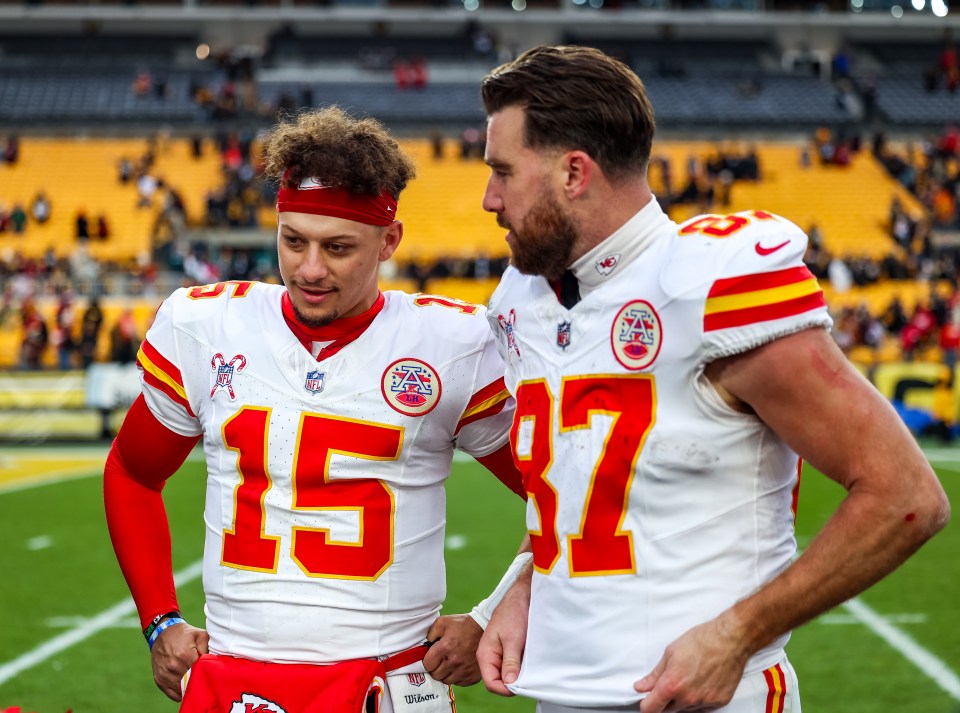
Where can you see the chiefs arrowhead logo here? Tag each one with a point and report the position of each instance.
(250, 703)
(608, 264)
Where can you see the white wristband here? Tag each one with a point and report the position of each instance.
(484, 610)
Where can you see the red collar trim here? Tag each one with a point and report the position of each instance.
(340, 332)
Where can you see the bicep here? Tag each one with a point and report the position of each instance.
(150, 451)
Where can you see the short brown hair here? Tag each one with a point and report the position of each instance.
(358, 155)
(577, 98)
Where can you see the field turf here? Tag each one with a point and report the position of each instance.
(69, 641)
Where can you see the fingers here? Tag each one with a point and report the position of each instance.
(202, 642)
(436, 631)
(490, 659)
(173, 653)
(452, 658)
(647, 683)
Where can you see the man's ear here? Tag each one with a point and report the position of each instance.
(392, 235)
(579, 171)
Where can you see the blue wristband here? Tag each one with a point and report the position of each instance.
(161, 626)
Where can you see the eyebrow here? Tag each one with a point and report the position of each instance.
(290, 231)
(496, 163)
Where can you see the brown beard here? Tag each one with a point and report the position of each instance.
(544, 242)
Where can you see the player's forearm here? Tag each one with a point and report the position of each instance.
(868, 537)
(137, 521)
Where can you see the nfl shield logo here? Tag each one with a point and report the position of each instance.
(224, 375)
(314, 382)
(224, 370)
(416, 679)
(563, 335)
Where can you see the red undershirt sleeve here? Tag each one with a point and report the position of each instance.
(502, 465)
(144, 454)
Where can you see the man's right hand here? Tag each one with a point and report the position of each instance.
(501, 648)
(176, 649)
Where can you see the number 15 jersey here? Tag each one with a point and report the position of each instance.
(325, 506)
(653, 506)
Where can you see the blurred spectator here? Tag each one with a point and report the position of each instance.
(840, 65)
(402, 74)
(436, 144)
(103, 228)
(146, 187)
(123, 338)
(419, 75)
(471, 143)
(949, 68)
(18, 218)
(11, 154)
(82, 226)
(35, 336)
(124, 170)
(142, 83)
(63, 331)
(90, 324)
(40, 209)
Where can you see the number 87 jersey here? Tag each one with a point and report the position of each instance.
(653, 506)
(325, 507)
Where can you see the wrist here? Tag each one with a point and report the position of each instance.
(514, 576)
(742, 638)
(155, 622)
(165, 624)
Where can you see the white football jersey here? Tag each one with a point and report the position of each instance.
(653, 506)
(325, 507)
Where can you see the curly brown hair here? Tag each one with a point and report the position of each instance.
(358, 155)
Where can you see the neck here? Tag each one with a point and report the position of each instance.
(605, 210)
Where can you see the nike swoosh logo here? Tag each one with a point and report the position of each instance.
(769, 251)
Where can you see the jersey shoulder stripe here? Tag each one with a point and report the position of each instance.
(761, 297)
(159, 373)
(488, 401)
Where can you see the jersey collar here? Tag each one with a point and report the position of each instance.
(338, 333)
(610, 256)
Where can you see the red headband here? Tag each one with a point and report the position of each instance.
(312, 196)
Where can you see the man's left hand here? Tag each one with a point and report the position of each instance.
(699, 671)
(453, 656)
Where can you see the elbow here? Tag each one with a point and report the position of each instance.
(931, 511)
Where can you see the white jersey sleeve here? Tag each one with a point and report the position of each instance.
(485, 424)
(762, 290)
(167, 394)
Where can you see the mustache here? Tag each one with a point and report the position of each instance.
(502, 222)
(308, 286)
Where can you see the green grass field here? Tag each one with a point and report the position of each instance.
(58, 578)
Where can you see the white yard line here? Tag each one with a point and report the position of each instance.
(84, 631)
(932, 667)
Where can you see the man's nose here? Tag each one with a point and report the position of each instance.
(491, 200)
(314, 267)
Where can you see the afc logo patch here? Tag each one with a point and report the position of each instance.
(225, 370)
(411, 387)
(636, 335)
(250, 703)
